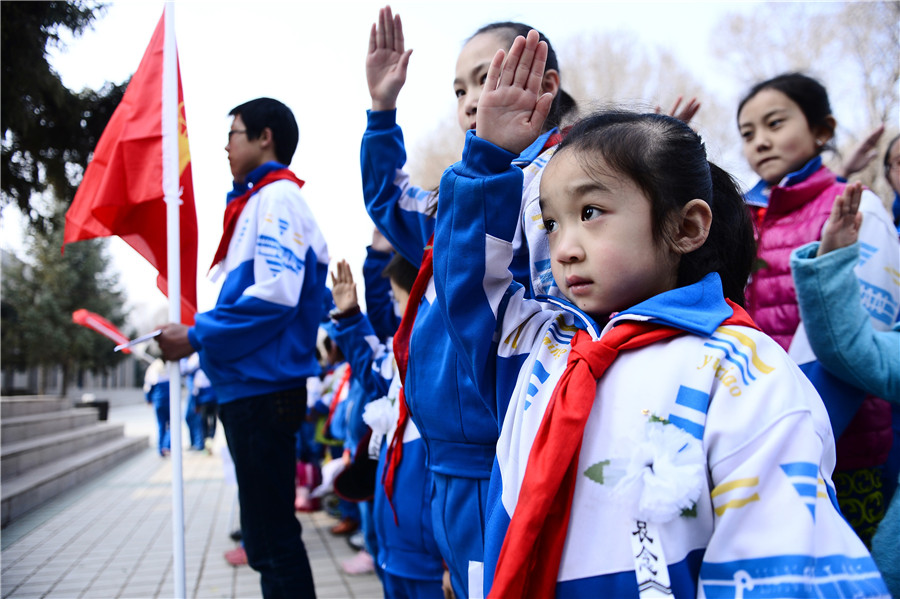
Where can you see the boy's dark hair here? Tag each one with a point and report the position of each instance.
(265, 112)
(667, 160)
(401, 271)
(563, 103)
(806, 92)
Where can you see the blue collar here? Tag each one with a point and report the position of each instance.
(803, 174)
(699, 308)
(534, 150)
(758, 195)
(253, 177)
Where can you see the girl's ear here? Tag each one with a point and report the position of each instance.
(825, 131)
(550, 82)
(692, 227)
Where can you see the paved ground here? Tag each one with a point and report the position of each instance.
(112, 537)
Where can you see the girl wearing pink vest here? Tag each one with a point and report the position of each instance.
(786, 124)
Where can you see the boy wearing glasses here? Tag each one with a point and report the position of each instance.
(257, 346)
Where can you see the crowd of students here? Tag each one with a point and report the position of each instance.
(590, 366)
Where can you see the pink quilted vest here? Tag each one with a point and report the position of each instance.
(795, 216)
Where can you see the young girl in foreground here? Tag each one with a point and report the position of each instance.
(653, 439)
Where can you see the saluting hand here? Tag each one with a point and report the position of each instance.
(386, 60)
(343, 289)
(842, 227)
(512, 110)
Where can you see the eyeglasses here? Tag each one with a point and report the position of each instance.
(233, 131)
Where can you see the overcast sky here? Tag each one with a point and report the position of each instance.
(311, 56)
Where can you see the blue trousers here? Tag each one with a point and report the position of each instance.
(260, 434)
(164, 442)
(194, 421)
(398, 587)
(458, 515)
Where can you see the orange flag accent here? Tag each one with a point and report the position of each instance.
(122, 190)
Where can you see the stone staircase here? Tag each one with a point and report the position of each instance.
(47, 446)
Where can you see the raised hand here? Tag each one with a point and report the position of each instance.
(386, 60)
(511, 111)
(343, 289)
(686, 113)
(862, 154)
(842, 227)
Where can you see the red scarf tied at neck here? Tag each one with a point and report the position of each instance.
(529, 560)
(236, 206)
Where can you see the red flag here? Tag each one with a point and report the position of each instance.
(101, 325)
(122, 190)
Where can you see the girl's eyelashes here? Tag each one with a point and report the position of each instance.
(590, 212)
(773, 124)
(550, 225)
(459, 93)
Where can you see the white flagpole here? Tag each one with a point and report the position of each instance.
(171, 185)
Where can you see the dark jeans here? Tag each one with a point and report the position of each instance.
(260, 434)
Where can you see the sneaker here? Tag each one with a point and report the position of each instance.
(361, 563)
(357, 541)
(345, 527)
(236, 557)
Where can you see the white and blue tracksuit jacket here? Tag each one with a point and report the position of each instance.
(261, 335)
(767, 522)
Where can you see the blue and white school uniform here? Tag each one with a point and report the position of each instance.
(261, 335)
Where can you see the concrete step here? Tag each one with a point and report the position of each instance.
(36, 486)
(19, 457)
(26, 405)
(21, 428)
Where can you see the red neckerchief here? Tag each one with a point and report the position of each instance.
(336, 399)
(236, 206)
(529, 560)
(401, 354)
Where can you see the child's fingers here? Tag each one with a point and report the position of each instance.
(388, 28)
(398, 34)
(508, 71)
(854, 199)
(542, 108)
(522, 73)
(373, 33)
(493, 75)
(379, 38)
(536, 72)
(675, 106)
(344, 272)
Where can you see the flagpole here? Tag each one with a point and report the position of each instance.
(171, 191)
